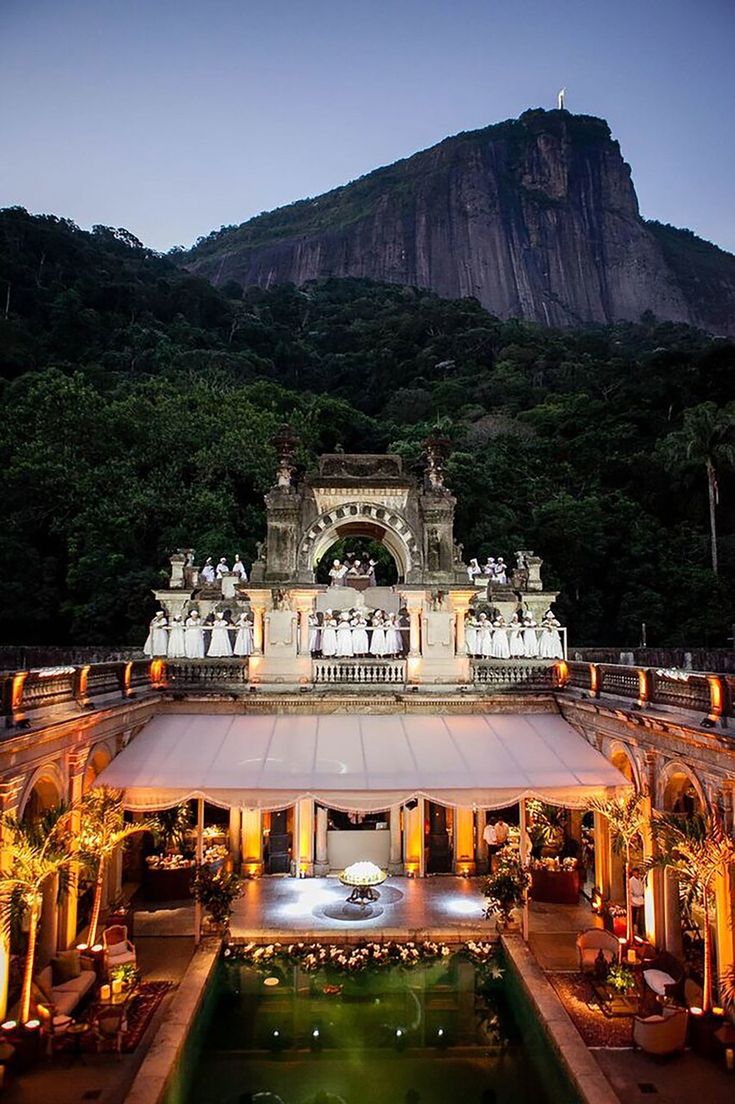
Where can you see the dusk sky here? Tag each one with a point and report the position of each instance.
(171, 117)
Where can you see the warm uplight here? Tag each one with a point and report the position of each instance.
(642, 686)
(715, 696)
(97, 948)
(32, 1025)
(9, 1025)
(82, 947)
(251, 869)
(17, 690)
(271, 982)
(718, 1011)
(158, 670)
(83, 681)
(128, 678)
(562, 673)
(695, 1011)
(594, 678)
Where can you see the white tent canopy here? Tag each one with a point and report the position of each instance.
(360, 762)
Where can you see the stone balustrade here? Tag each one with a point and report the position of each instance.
(504, 675)
(689, 691)
(361, 671)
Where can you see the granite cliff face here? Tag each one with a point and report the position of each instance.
(535, 217)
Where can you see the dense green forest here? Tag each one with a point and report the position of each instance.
(139, 403)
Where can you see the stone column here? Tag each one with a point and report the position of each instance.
(48, 926)
(251, 842)
(260, 601)
(602, 855)
(413, 840)
(321, 865)
(303, 849)
(10, 791)
(653, 882)
(672, 914)
(395, 863)
(303, 601)
(414, 603)
(483, 858)
(460, 602)
(464, 840)
(235, 836)
(68, 918)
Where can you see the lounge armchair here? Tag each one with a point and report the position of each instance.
(661, 1034)
(591, 942)
(118, 950)
(664, 975)
(63, 999)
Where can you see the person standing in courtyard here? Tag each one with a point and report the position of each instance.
(637, 891)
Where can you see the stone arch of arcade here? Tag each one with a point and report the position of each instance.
(99, 757)
(362, 519)
(677, 783)
(44, 789)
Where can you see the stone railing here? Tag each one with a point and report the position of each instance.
(507, 675)
(26, 691)
(206, 674)
(361, 671)
(711, 696)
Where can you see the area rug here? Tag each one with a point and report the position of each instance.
(597, 1029)
(145, 1002)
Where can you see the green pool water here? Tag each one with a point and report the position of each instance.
(435, 1034)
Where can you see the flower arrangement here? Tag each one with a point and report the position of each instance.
(216, 890)
(128, 973)
(484, 955)
(505, 888)
(354, 959)
(215, 853)
(615, 910)
(621, 979)
(554, 863)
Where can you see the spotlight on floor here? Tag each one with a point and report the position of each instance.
(277, 1042)
(441, 1037)
(400, 1039)
(316, 1039)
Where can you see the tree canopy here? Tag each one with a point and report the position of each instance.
(139, 402)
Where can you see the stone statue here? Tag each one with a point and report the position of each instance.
(437, 448)
(261, 550)
(280, 600)
(285, 444)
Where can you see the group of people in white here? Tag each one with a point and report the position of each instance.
(495, 571)
(211, 572)
(520, 638)
(195, 638)
(340, 573)
(356, 633)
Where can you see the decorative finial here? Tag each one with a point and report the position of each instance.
(561, 96)
(285, 442)
(437, 449)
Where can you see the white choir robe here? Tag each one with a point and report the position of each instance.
(194, 638)
(470, 636)
(208, 573)
(377, 639)
(359, 637)
(484, 639)
(329, 637)
(393, 639)
(157, 642)
(530, 641)
(344, 637)
(315, 633)
(176, 640)
(515, 640)
(219, 644)
(501, 644)
(244, 638)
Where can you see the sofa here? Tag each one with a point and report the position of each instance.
(662, 1034)
(591, 942)
(664, 975)
(66, 996)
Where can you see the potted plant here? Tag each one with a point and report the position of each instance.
(506, 888)
(128, 973)
(622, 984)
(216, 891)
(627, 819)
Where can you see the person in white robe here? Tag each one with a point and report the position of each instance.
(360, 646)
(176, 639)
(377, 638)
(550, 646)
(501, 572)
(372, 564)
(489, 567)
(530, 639)
(208, 571)
(329, 634)
(474, 569)
(315, 634)
(157, 640)
(393, 640)
(501, 644)
(337, 573)
(244, 637)
(220, 644)
(222, 568)
(484, 636)
(470, 634)
(238, 569)
(194, 636)
(515, 637)
(344, 634)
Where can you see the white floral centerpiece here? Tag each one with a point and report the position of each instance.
(363, 874)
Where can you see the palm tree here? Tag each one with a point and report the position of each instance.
(706, 439)
(36, 852)
(627, 818)
(697, 849)
(102, 830)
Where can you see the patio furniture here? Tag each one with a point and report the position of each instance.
(591, 942)
(109, 1025)
(661, 1034)
(118, 950)
(65, 996)
(664, 976)
(54, 1024)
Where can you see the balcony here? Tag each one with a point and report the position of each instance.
(362, 672)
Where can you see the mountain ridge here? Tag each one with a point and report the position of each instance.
(536, 217)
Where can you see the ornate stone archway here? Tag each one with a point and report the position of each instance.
(362, 519)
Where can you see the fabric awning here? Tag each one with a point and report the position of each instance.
(360, 762)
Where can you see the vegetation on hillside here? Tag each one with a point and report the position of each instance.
(139, 402)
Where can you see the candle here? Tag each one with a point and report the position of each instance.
(632, 957)
(117, 985)
(104, 992)
(9, 1025)
(621, 944)
(730, 1059)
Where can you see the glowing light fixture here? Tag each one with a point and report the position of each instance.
(271, 982)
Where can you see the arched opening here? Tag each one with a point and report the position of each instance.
(360, 549)
(684, 921)
(44, 795)
(361, 521)
(98, 760)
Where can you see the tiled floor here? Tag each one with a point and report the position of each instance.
(446, 907)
